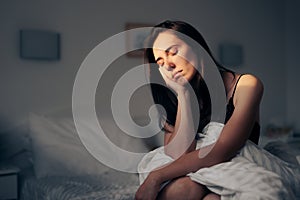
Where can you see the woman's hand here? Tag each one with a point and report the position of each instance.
(149, 189)
(177, 83)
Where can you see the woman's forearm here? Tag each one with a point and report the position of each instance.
(223, 150)
(183, 137)
(190, 162)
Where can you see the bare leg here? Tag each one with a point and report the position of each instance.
(183, 188)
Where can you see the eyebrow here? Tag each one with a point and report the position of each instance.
(168, 49)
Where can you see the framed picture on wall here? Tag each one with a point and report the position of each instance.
(39, 44)
(136, 39)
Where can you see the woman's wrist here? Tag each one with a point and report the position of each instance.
(156, 177)
(184, 93)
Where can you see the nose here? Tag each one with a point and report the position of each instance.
(169, 64)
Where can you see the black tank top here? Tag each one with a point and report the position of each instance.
(254, 136)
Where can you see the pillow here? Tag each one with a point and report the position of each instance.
(15, 147)
(57, 149)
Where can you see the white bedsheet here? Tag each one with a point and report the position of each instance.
(253, 174)
(110, 185)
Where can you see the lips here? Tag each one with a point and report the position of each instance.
(177, 73)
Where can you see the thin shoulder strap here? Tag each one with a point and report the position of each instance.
(236, 85)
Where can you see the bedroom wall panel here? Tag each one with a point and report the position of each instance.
(292, 62)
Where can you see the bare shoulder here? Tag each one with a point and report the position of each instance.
(250, 81)
(249, 86)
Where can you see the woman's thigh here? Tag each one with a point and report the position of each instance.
(183, 188)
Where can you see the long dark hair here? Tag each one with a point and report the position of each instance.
(163, 95)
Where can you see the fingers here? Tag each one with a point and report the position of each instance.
(165, 74)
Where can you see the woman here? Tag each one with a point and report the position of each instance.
(177, 63)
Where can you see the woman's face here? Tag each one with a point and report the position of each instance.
(175, 56)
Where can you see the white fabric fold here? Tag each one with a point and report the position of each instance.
(253, 174)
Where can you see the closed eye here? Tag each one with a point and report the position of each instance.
(159, 61)
(171, 51)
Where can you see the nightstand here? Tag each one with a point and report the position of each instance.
(9, 182)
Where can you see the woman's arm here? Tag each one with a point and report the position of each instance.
(181, 139)
(232, 138)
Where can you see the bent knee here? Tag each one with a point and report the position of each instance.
(212, 196)
(183, 188)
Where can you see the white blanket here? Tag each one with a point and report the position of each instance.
(253, 174)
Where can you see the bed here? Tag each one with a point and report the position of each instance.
(54, 164)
